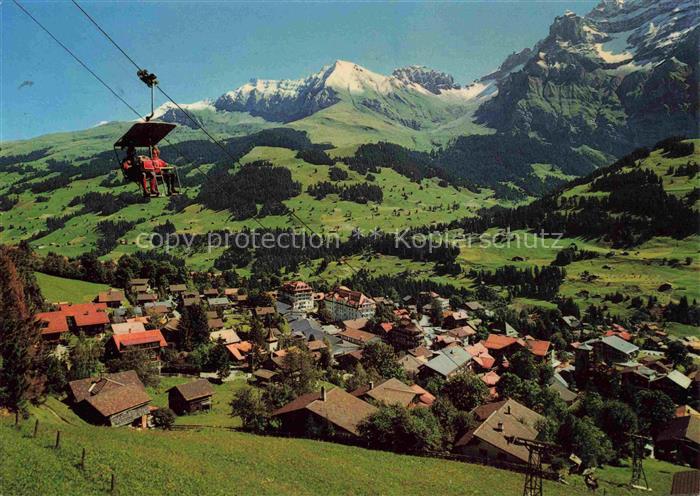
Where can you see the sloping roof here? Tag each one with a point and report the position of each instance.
(686, 483)
(566, 394)
(348, 297)
(110, 296)
(355, 323)
(507, 420)
(91, 318)
(294, 286)
(229, 336)
(537, 347)
(146, 297)
(411, 364)
(83, 388)
(53, 322)
(177, 287)
(449, 360)
(215, 323)
(393, 391)
(127, 327)
(490, 378)
(681, 428)
(195, 389)
(425, 396)
(499, 341)
(137, 338)
(357, 335)
(462, 332)
(117, 400)
(339, 408)
(679, 378)
(620, 344)
(218, 301)
(239, 350)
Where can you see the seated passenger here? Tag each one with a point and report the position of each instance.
(149, 171)
(132, 169)
(162, 167)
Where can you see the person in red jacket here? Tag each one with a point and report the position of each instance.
(149, 171)
(162, 167)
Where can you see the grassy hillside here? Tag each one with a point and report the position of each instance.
(55, 289)
(215, 461)
(405, 204)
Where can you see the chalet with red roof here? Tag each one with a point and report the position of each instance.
(149, 341)
(54, 325)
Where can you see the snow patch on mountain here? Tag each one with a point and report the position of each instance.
(169, 107)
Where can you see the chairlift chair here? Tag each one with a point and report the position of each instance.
(143, 136)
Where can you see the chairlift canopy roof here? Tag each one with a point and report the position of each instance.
(143, 134)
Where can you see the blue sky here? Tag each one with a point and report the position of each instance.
(203, 49)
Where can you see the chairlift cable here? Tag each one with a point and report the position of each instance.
(141, 70)
(187, 114)
(120, 98)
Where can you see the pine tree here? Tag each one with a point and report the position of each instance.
(20, 344)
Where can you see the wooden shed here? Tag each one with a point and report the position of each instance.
(190, 397)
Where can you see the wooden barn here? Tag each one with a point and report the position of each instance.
(191, 397)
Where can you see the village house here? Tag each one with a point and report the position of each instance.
(360, 338)
(239, 352)
(613, 349)
(114, 399)
(210, 293)
(149, 341)
(675, 384)
(112, 298)
(333, 414)
(406, 336)
(219, 303)
(500, 346)
(90, 318)
(190, 397)
(297, 294)
(458, 318)
(138, 285)
(190, 298)
(679, 441)
(177, 289)
(128, 327)
(142, 298)
(54, 326)
(447, 362)
(412, 365)
(496, 426)
(393, 391)
(483, 361)
(225, 336)
(345, 304)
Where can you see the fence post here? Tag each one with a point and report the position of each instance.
(113, 485)
(82, 460)
(16, 419)
(36, 427)
(58, 440)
